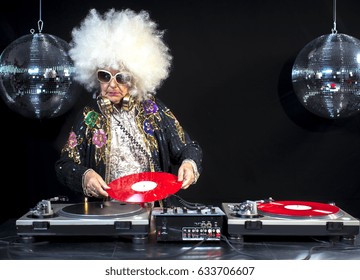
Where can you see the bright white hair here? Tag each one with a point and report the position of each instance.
(120, 40)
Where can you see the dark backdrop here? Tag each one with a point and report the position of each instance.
(230, 87)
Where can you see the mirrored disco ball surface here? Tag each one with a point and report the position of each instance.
(36, 76)
(326, 76)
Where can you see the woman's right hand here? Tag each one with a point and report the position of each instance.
(95, 185)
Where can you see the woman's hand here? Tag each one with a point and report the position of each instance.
(94, 185)
(186, 174)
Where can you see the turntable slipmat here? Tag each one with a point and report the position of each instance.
(101, 210)
(299, 209)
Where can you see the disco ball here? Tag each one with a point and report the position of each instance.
(36, 76)
(326, 76)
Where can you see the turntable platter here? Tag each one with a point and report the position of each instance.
(298, 209)
(101, 210)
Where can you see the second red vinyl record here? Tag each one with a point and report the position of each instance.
(297, 208)
(144, 187)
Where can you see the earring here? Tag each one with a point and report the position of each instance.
(105, 105)
(128, 102)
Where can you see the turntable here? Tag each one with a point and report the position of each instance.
(107, 218)
(288, 218)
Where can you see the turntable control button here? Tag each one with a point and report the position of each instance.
(41, 225)
(198, 210)
(121, 225)
(334, 226)
(185, 210)
(253, 225)
(175, 210)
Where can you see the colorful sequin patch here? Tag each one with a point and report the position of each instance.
(91, 118)
(148, 128)
(150, 107)
(72, 142)
(99, 138)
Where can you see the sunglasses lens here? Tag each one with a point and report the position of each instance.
(104, 77)
(123, 78)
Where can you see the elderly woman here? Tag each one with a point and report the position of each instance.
(121, 57)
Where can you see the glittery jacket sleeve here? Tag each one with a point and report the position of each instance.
(175, 144)
(78, 155)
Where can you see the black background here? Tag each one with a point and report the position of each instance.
(230, 87)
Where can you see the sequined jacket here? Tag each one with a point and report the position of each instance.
(89, 140)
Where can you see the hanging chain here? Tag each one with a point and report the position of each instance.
(334, 31)
(40, 22)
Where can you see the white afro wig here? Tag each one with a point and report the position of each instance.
(118, 40)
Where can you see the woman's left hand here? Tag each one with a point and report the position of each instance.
(186, 175)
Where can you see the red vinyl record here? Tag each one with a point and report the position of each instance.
(297, 208)
(144, 187)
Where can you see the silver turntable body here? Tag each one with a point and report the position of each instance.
(85, 219)
(244, 219)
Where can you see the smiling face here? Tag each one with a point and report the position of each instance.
(114, 84)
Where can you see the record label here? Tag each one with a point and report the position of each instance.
(144, 187)
(298, 208)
